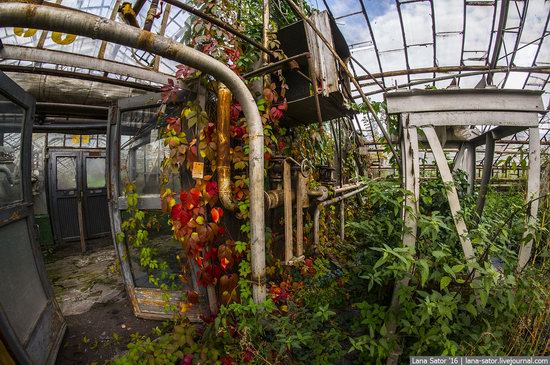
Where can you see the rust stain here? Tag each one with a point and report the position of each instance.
(31, 10)
(13, 217)
(145, 40)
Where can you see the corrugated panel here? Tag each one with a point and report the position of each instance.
(67, 214)
(97, 215)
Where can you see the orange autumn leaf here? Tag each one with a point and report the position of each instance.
(216, 214)
(224, 262)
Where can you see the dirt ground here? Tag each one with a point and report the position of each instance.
(89, 290)
(100, 334)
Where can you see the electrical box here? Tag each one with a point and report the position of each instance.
(332, 82)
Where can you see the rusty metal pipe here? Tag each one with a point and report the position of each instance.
(317, 213)
(222, 132)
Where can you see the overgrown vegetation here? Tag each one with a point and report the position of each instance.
(338, 305)
(335, 307)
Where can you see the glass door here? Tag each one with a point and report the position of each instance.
(65, 194)
(31, 324)
(94, 194)
(134, 156)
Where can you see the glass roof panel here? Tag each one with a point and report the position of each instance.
(478, 34)
(449, 15)
(417, 22)
(448, 48)
(420, 56)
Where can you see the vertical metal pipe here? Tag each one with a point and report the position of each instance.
(301, 194)
(342, 221)
(222, 133)
(287, 188)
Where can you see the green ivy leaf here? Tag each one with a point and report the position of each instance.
(424, 271)
(445, 281)
(458, 268)
(470, 308)
(483, 296)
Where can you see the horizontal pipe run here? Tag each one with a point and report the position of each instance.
(329, 202)
(49, 56)
(69, 128)
(347, 187)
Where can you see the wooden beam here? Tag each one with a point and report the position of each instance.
(452, 195)
(415, 101)
(456, 118)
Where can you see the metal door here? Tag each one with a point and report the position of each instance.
(94, 189)
(31, 324)
(78, 194)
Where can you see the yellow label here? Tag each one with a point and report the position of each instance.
(75, 139)
(198, 170)
(85, 139)
(62, 38)
(24, 32)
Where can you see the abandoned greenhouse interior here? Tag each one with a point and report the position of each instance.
(274, 182)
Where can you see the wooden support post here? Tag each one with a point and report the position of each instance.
(103, 45)
(162, 30)
(533, 191)
(452, 195)
(410, 164)
(301, 195)
(486, 177)
(287, 187)
(81, 228)
(411, 176)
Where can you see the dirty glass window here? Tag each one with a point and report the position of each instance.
(55, 139)
(11, 122)
(66, 173)
(95, 172)
(88, 141)
(141, 150)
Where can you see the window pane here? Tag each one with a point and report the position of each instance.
(55, 140)
(11, 121)
(88, 141)
(72, 140)
(141, 151)
(95, 172)
(66, 173)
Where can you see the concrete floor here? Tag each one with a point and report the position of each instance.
(89, 289)
(81, 280)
